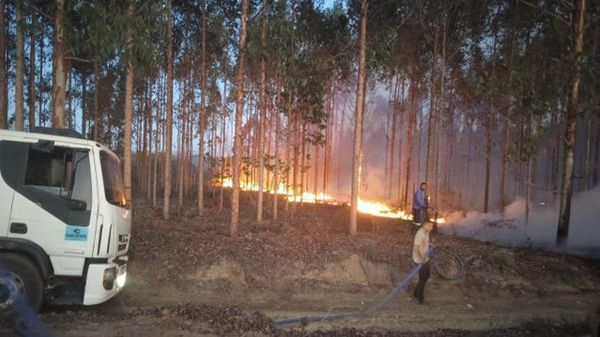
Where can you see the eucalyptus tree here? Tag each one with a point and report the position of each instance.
(237, 145)
(3, 70)
(358, 126)
(20, 68)
(58, 66)
(169, 112)
(578, 23)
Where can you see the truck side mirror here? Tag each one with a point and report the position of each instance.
(77, 205)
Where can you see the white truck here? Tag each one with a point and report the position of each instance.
(64, 223)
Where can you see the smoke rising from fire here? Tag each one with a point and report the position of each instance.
(510, 228)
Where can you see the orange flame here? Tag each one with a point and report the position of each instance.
(374, 208)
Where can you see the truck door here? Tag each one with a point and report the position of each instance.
(53, 203)
(8, 156)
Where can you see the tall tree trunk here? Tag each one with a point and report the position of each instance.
(263, 111)
(149, 156)
(302, 140)
(393, 140)
(202, 115)
(409, 133)
(181, 149)
(144, 134)
(276, 170)
(84, 110)
(489, 132)
(31, 97)
(328, 141)
(358, 127)
(237, 145)
(58, 85)
(97, 114)
(128, 109)
(571, 122)
(157, 149)
(41, 109)
(169, 123)
(587, 155)
(69, 99)
(430, 125)
(3, 72)
(440, 114)
(223, 142)
(20, 69)
(401, 120)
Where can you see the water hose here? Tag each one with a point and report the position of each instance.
(378, 307)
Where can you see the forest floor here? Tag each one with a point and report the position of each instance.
(187, 277)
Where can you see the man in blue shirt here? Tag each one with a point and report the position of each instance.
(419, 205)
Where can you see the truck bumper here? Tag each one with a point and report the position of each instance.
(103, 281)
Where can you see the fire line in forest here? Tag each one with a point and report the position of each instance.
(370, 207)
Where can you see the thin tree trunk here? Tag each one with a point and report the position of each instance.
(58, 85)
(409, 135)
(223, 142)
(288, 154)
(430, 126)
(41, 109)
(237, 147)
(84, 112)
(169, 123)
(128, 110)
(401, 121)
(31, 72)
(571, 122)
(97, 114)
(587, 155)
(440, 115)
(69, 99)
(149, 156)
(393, 139)
(202, 115)
(181, 150)
(276, 170)
(360, 105)
(263, 111)
(329, 141)
(529, 179)
(489, 132)
(20, 69)
(3, 66)
(157, 149)
(340, 169)
(302, 140)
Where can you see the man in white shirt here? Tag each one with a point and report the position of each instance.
(420, 248)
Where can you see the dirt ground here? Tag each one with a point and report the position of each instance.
(187, 277)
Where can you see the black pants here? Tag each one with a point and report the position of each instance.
(423, 277)
(418, 215)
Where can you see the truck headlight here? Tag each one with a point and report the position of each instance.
(108, 281)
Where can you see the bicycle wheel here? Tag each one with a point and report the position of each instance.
(447, 264)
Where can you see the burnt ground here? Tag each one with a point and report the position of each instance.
(187, 277)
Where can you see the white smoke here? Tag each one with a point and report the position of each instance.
(510, 228)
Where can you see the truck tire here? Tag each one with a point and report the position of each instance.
(18, 270)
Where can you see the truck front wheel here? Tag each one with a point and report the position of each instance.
(18, 273)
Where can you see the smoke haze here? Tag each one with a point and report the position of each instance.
(510, 227)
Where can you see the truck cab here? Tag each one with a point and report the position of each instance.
(64, 223)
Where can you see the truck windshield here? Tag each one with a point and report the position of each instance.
(113, 181)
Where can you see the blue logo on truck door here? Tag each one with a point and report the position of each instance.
(76, 233)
